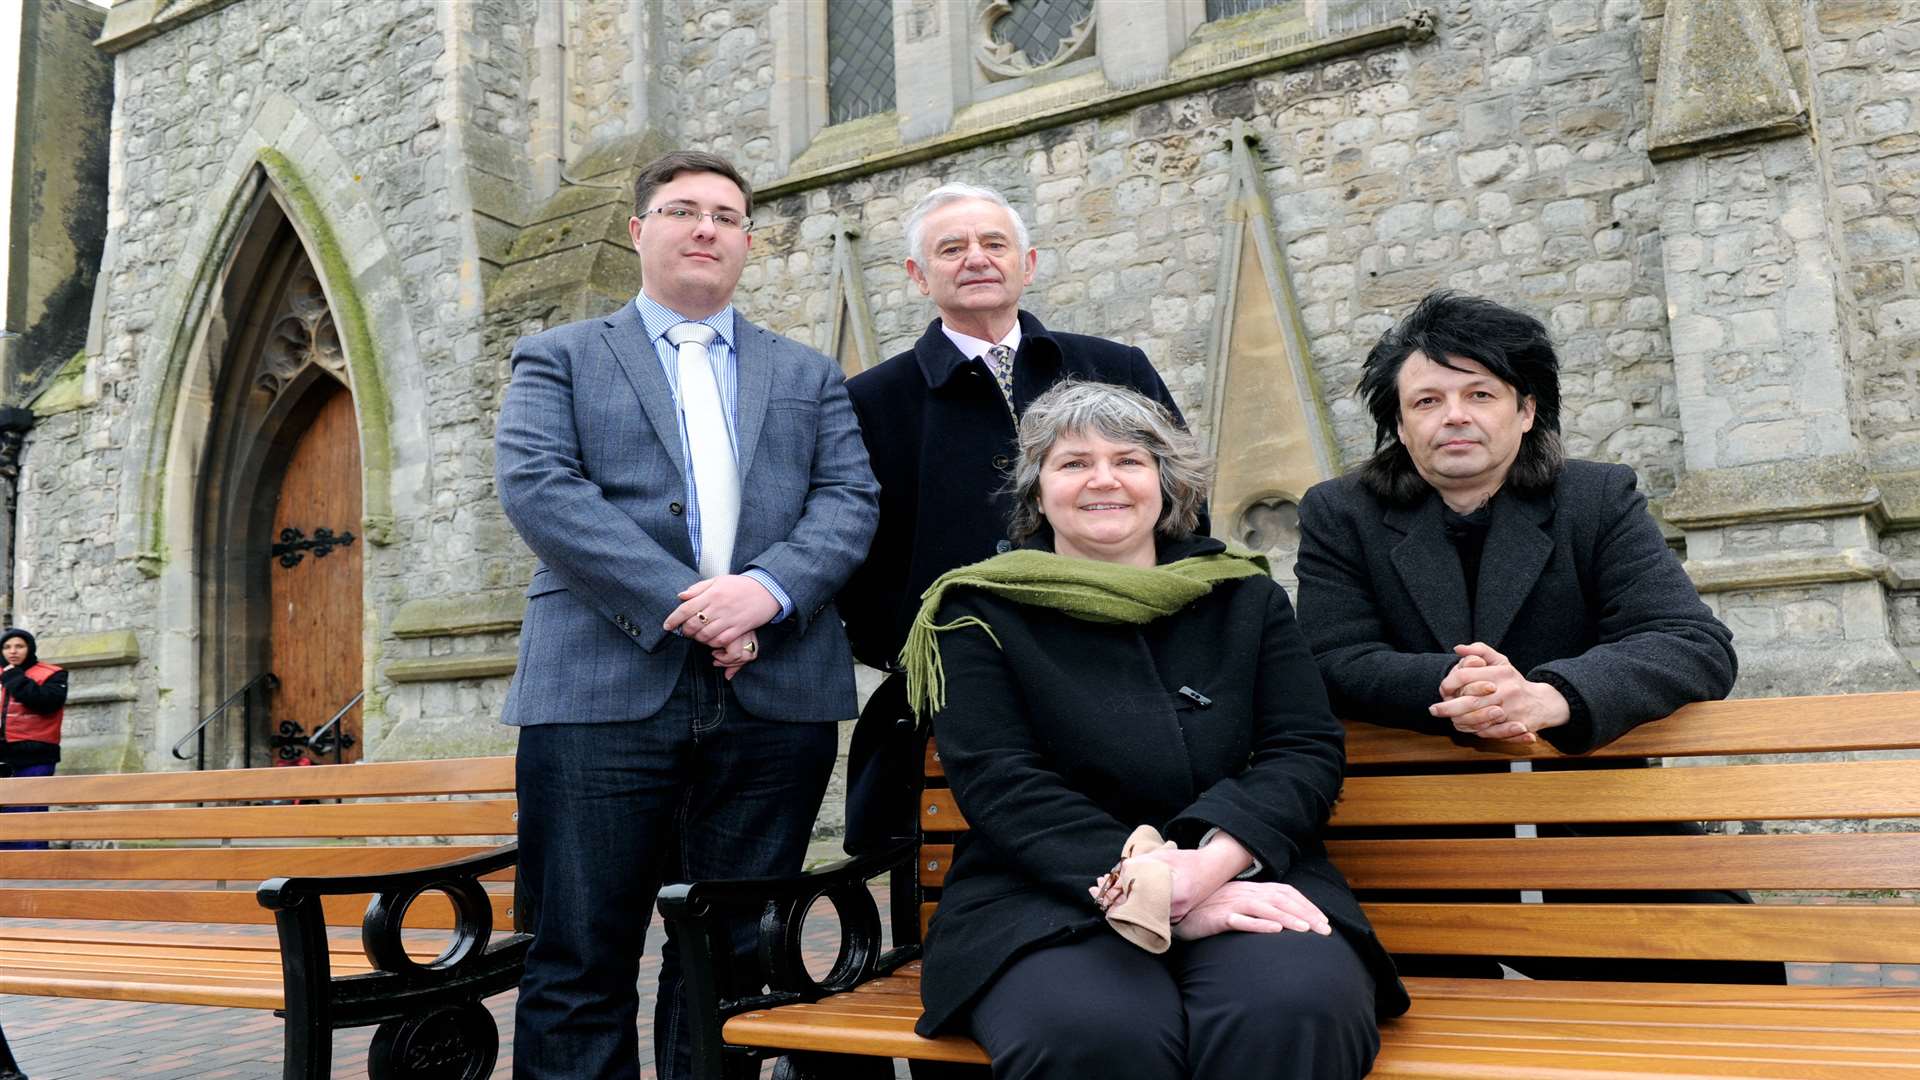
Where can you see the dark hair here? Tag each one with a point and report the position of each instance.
(667, 166)
(1512, 345)
(33, 647)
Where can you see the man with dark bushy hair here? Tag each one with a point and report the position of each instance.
(1469, 580)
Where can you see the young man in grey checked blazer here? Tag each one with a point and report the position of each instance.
(697, 491)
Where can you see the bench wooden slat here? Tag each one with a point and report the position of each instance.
(55, 954)
(38, 982)
(248, 864)
(448, 776)
(936, 860)
(1817, 933)
(465, 817)
(186, 968)
(238, 938)
(1677, 1037)
(1889, 721)
(430, 912)
(1825, 861)
(1413, 1061)
(1531, 1027)
(1872, 1008)
(791, 1029)
(1804, 791)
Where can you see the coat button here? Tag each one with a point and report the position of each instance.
(1001, 461)
(1003, 547)
(675, 509)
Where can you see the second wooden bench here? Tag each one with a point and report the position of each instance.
(193, 848)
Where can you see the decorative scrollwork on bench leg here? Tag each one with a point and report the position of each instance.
(460, 1042)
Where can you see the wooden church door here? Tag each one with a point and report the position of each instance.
(315, 627)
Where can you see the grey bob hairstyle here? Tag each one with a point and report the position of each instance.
(1123, 416)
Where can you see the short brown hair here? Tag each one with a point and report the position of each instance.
(667, 166)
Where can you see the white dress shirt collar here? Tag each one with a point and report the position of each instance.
(971, 346)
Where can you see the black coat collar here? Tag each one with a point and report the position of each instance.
(1517, 550)
(940, 361)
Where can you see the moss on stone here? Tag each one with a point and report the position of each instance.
(66, 391)
(350, 316)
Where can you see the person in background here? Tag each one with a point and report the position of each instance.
(33, 700)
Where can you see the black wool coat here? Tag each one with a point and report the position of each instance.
(1576, 581)
(1068, 734)
(941, 443)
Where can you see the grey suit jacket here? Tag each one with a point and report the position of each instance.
(1576, 581)
(589, 466)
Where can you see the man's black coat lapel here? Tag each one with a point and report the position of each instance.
(1518, 547)
(1429, 568)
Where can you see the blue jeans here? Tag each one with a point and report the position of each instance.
(610, 812)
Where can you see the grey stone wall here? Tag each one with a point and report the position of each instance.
(718, 73)
(1865, 56)
(1504, 157)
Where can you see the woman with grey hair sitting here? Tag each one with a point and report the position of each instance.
(1120, 684)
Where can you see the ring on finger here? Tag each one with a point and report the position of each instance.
(701, 615)
(750, 647)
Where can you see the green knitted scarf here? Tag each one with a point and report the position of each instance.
(1083, 588)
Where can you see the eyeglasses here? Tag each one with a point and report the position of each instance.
(689, 217)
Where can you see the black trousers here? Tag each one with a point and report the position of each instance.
(1228, 1007)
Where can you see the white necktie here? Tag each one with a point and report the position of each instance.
(716, 477)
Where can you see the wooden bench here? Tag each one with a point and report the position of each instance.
(193, 848)
(1488, 1027)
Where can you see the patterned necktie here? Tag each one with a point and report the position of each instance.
(716, 477)
(1002, 358)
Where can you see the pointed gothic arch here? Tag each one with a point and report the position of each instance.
(272, 400)
(1266, 416)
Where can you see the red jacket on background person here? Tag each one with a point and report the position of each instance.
(33, 698)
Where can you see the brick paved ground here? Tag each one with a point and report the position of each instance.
(74, 1039)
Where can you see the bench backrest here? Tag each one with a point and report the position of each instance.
(191, 846)
(1841, 823)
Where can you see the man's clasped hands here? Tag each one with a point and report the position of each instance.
(1485, 695)
(723, 613)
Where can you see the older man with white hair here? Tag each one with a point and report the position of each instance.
(938, 421)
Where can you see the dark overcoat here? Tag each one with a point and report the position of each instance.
(1068, 734)
(940, 440)
(1576, 581)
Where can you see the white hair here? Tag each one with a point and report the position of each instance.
(948, 193)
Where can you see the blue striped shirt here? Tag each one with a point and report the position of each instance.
(658, 319)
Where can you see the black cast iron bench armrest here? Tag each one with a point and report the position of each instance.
(704, 916)
(434, 1004)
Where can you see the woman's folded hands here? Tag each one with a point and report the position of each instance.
(1202, 895)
